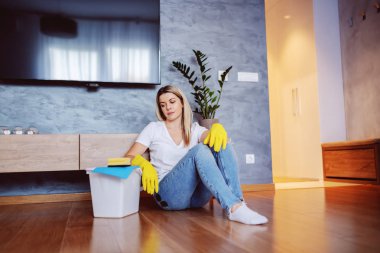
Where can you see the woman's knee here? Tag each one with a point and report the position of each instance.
(201, 151)
(228, 151)
(200, 148)
(228, 148)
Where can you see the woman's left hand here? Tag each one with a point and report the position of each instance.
(217, 137)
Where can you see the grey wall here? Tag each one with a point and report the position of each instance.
(230, 32)
(329, 74)
(360, 63)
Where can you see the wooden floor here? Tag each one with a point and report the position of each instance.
(338, 219)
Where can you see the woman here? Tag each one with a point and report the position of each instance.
(183, 172)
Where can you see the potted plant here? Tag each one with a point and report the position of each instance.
(207, 99)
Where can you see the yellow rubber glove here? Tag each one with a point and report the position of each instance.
(149, 174)
(217, 137)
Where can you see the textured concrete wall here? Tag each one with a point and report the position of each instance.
(360, 59)
(230, 32)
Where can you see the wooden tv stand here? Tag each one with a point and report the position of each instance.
(60, 152)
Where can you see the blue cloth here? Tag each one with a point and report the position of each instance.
(120, 172)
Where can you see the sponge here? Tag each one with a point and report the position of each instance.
(117, 162)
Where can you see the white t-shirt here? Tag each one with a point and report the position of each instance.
(164, 152)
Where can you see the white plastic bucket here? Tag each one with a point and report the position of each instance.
(114, 197)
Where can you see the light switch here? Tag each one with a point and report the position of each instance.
(248, 77)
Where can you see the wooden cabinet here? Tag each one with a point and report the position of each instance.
(52, 152)
(95, 149)
(56, 152)
(355, 161)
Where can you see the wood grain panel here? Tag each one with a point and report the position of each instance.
(301, 220)
(44, 198)
(39, 228)
(349, 144)
(53, 152)
(354, 163)
(198, 239)
(95, 149)
(257, 187)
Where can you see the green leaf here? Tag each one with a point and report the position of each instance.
(206, 100)
(224, 74)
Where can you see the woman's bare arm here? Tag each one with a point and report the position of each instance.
(136, 149)
(204, 135)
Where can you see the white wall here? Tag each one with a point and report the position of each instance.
(329, 71)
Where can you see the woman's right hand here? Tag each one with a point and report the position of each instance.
(149, 174)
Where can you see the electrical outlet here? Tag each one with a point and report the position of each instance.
(250, 158)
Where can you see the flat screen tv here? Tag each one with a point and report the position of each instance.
(91, 42)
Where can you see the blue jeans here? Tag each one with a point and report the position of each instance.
(199, 175)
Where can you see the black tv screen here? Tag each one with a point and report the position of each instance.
(85, 41)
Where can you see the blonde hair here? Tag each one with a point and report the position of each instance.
(187, 114)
